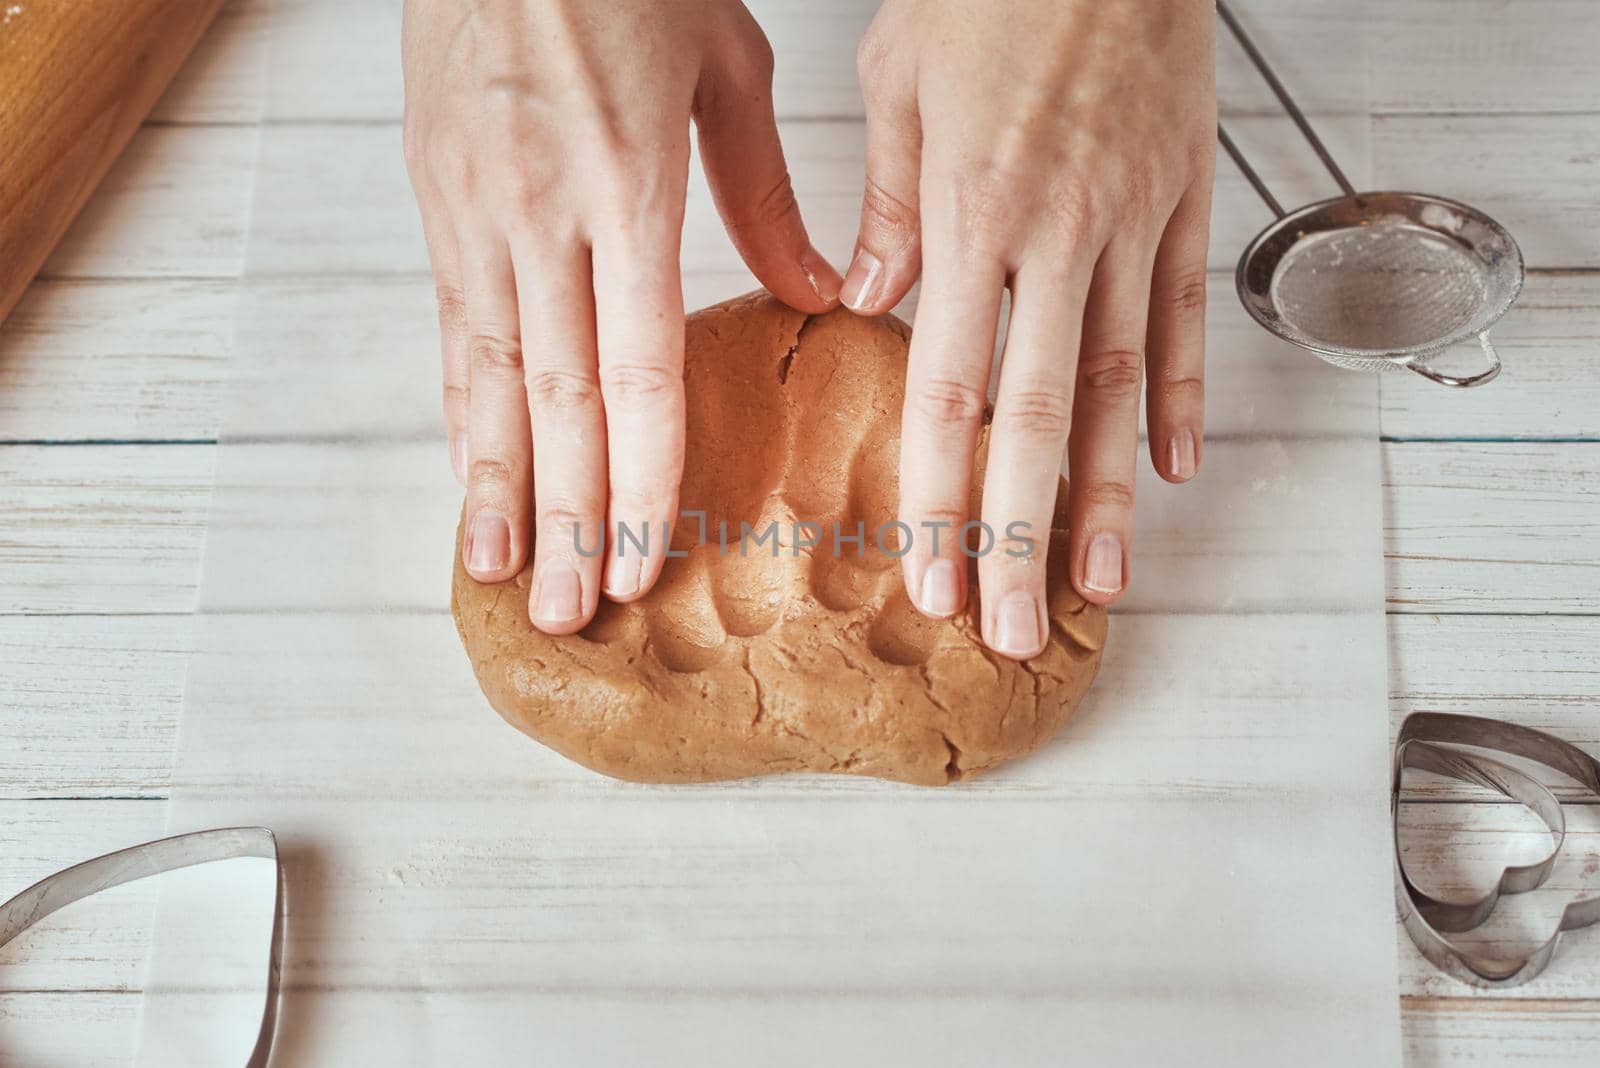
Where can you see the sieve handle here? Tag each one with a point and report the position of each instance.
(1467, 381)
(1282, 93)
(1249, 172)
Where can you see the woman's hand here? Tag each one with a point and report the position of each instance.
(1063, 149)
(547, 142)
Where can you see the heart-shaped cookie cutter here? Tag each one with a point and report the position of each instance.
(1434, 741)
(154, 858)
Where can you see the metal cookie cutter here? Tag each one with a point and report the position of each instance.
(1373, 281)
(154, 858)
(1430, 741)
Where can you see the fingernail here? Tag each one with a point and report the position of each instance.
(1017, 626)
(1180, 455)
(458, 455)
(488, 543)
(862, 281)
(824, 279)
(1102, 571)
(560, 594)
(941, 593)
(622, 575)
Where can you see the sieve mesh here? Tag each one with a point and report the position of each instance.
(1376, 280)
(1389, 287)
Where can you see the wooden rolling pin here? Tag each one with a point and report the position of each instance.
(77, 77)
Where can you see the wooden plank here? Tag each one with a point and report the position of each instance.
(1485, 528)
(1470, 527)
(1542, 672)
(174, 205)
(1492, 528)
(85, 1029)
(1536, 174)
(1548, 389)
(101, 529)
(100, 1030)
(1485, 56)
(91, 704)
(114, 360)
(1530, 1030)
(93, 1029)
(122, 359)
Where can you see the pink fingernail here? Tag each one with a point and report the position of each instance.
(458, 455)
(941, 590)
(1017, 626)
(1181, 455)
(1102, 571)
(622, 575)
(862, 281)
(488, 543)
(825, 281)
(560, 594)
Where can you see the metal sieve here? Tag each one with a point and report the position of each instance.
(1373, 281)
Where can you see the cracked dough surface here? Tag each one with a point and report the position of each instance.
(735, 665)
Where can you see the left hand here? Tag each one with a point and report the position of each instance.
(548, 145)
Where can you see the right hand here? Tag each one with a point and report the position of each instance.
(547, 143)
(1062, 150)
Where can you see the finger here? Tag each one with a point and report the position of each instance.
(499, 469)
(744, 165)
(947, 382)
(1027, 442)
(445, 258)
(888, 252)
(1177, 350)
(639, 315)
(1104, 443)
(563, 407)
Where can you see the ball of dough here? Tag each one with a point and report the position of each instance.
(748, 663)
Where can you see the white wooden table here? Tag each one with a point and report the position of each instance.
(112, 370)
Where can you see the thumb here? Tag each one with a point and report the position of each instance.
(743, 160)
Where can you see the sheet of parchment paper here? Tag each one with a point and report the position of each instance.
(1196, 871)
